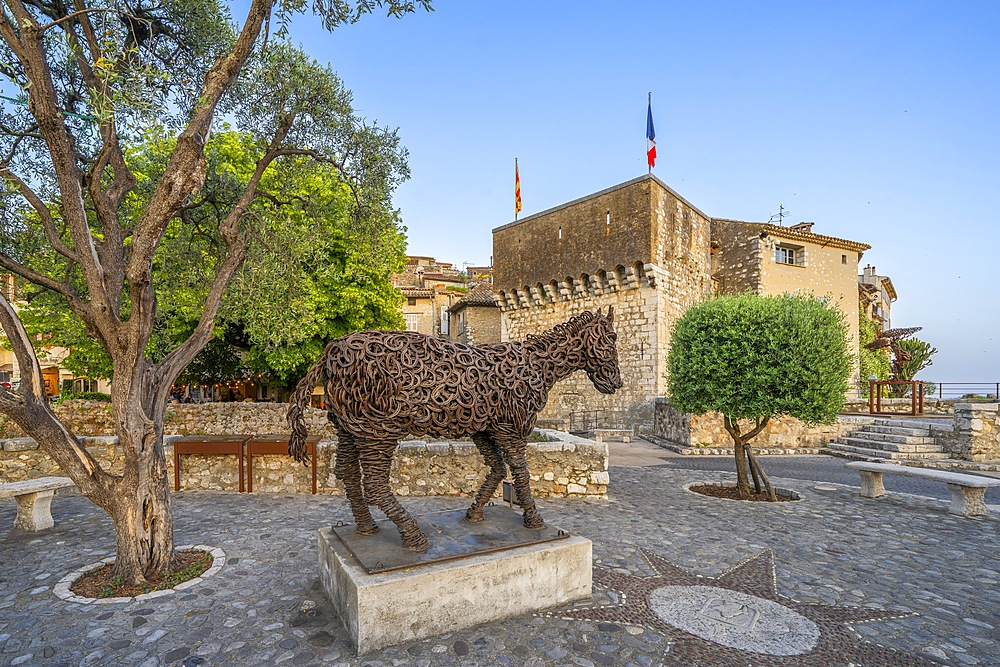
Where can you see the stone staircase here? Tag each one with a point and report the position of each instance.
(888, 439)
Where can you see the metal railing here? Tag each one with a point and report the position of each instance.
(972, 391)
(876, 388)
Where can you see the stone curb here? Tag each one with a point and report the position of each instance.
(62, 591)
(779, 490)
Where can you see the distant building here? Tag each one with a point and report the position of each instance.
(475, 318)
(876, 296)
(444, 302)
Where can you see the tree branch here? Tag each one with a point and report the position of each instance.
(76, 14)
(28, 406)
(44, 214)
(43, 105)
(185, 171)
(28, 274)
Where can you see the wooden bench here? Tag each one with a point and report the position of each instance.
(209, 445)
(277, 445)
(624, 433)
(968, 492)
(34, 500)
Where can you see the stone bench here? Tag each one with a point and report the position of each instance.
(624, 433)
(34, 500)
(968, 492)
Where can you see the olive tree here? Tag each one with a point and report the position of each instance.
(87, 80)
(753, 358)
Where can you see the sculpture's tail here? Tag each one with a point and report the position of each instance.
(296, 411)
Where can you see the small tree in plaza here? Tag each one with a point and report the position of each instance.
(753, 358)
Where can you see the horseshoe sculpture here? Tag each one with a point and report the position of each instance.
(383, 385)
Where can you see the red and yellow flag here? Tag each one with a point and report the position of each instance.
(517, 189)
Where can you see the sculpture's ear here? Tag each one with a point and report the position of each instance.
(611, 314)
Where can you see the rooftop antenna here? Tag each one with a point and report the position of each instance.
(780, 215)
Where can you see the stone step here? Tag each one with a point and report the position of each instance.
(903, 423)
(896, 430)
(865, 452)
(890, 446)
(892, 437)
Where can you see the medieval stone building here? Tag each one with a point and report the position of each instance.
(645, 250)
(639, 247)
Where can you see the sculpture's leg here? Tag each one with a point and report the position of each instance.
(348, 471)
(514, 449)
(375, 463)
(494, 459)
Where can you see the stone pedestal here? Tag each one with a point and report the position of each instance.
(389, 608)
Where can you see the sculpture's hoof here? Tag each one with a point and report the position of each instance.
(363, 530)
(534, 523)
(474, 517)
(419, 543)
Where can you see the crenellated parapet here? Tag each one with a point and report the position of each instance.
(570, 288)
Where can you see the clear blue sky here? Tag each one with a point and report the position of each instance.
(876, 120)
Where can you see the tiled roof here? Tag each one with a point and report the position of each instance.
(416, 292)
(481, 295)
(801, 235)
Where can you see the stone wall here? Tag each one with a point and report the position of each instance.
(564, 467)
(706, 434)
(974, 434)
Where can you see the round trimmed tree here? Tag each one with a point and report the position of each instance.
(752, 358)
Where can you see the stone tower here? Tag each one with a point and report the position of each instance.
(638, 246)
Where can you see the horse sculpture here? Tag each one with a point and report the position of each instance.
(384, 385)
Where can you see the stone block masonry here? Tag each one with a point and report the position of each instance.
(643, 249)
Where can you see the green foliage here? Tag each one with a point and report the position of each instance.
(750, 357)
(871, 362)
(920, 353)
(314, 271)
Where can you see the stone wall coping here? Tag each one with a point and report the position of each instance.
(978, 407)
(561, 442)
(975, 481)
(18, 444)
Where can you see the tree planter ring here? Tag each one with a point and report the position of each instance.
(62, 588)
(789, 494)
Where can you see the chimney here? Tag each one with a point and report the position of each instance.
(803, 227)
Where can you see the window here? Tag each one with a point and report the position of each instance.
(784, 255)
(411, 301)
(788, 254)
(444, 320)
(843, 259)
(412, 320)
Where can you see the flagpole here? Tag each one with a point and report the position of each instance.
(649, 103)
(515, 198)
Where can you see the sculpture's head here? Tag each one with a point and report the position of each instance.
(601, 353)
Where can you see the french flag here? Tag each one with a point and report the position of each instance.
(650, 135)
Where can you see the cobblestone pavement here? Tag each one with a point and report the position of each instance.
(901, 554)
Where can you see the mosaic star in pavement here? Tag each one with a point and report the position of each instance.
(739, 619)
